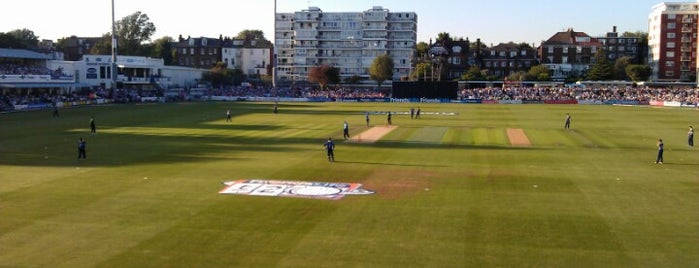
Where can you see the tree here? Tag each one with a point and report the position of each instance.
(324, 75)
(538, 73)
(220, 75)
(602, 69)
(381, 69)
(473, 74)
(638, 72)
(103, 46)
(421, 71)
(620, 68)
(25, 37)
(256, 35)
(8, 40)
(421, 49)
(443, 37)
(162, 48)
(517, 76)
(132, 32)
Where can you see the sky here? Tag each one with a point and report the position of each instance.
(493, 21)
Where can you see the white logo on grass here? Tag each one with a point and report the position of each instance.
(320, 190)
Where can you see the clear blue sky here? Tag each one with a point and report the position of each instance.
(493, 21)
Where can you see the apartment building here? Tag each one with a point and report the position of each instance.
(672, 41)
(349, 41)
(617, 46)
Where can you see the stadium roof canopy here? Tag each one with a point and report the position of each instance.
(21, 54)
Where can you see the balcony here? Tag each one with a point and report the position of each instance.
(686, 29)
(685, 58)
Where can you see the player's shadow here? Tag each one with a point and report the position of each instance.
(388, 164)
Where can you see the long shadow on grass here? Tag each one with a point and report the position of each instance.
(387, 164)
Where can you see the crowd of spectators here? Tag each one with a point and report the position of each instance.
(300, 92)
(602, 94)
(16, 69)
(641, 94)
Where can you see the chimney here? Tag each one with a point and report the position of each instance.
(614, 29)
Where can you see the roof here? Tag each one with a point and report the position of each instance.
(571, 37)
(21, 54)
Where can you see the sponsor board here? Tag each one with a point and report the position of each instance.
(303, 189)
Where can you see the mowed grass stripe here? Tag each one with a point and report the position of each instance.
(428, 135)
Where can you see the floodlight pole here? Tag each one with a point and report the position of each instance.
(274, 52)
(114, 56)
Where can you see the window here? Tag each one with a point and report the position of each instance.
(670, 44)
(670, 35)
(669, 73)
(564, 60)
(669, 63)
(671, 16)
(550, 49)
(565, 49)
(670, 54)
(671, 25)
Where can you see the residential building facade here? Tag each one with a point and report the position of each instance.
(349, 41)
(672, 41)
(508, 58)
(616, 46)
(250, 56)
(568, 53)
(74, 48)
(200, 53)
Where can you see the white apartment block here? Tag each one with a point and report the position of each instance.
(672, 41)
(349, 41)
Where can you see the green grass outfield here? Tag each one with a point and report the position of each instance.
(450, 190)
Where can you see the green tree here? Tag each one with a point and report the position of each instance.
(421, 70)
(102, 47)
(517, 76)
(473, 74)
(638, 72)
(10, 41)
(132, 32)
(324, 75)
(381, 69)
(162, 48)
(443, 37)
(26, 37)
(602, 69)
(256, 35)
(538, 73)
(220, 75)
(421, 49)
(620, 68)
